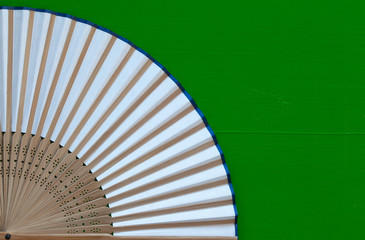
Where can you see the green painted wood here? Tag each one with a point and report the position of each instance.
(282, 86)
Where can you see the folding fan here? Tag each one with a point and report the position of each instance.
(100, 141)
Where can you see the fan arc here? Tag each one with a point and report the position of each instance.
(98, 139)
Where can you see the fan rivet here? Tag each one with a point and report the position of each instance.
(7, 236)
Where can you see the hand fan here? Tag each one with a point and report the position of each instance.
(100, 141)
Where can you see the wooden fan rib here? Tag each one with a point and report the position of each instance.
(132, 130)
(175, 193)
(6, 154)
(16, 141)
(79, 61)
(175, 209)
(80, 213)
(68, 187)
(125, 115)
(61, 223)
(35, 141)
(49, 172)
(56, 76)
(25, 71)
(41, 73)
(41, 149)
(7, 135)
(81, 55)
(62, 159)
(148, 116)
(32, 236)
(37, 158)
(15, 145)
(61, 195)
(23, 173)
(115, 103)
(62, 219)
(124, 60)
(193, 130)
(70, 83)
(88, 168)
(42, 168)
(82, 197)
(2, 207)
(147, 138)
(63, 229)
(80, 201)
(87, 229)
(135, 146)
(9, 70)
(6, 159)
(72, 220)
(107, 228)
(177, 224)
(60, 208)
(46, 157)
(52, 170)
(190, 171)
(169, 142)
(86, 196)
(85, 89)
(61, 173)
(45, 144)
(23, 144)
(53, 165)
(96, 70)
(6, 162)
(62, 102)
(33, 201)
(172, 160)
(168, 179)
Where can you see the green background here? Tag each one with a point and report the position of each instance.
(282, 86)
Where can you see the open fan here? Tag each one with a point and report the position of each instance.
(98, 139)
